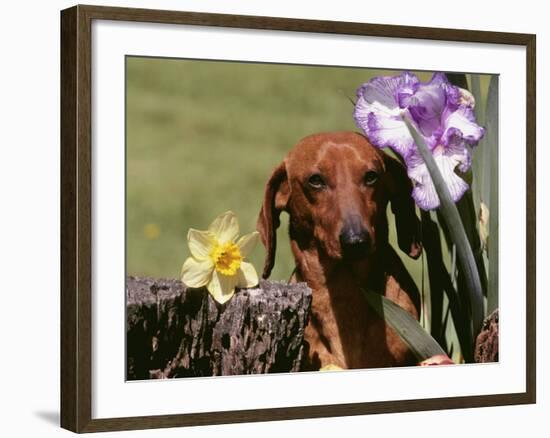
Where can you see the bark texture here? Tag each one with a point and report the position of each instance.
(486, 349)
(173, 331)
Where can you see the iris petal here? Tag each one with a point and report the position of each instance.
(462, 122)
(383, 128)
(424, 192)
(427, 104)
(457, 149)
(378, 114)
(383, 90)
(443, 115)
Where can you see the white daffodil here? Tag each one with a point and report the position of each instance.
(217, 258)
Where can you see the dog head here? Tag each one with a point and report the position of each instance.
(335, 188)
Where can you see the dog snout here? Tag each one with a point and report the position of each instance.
(355, 238)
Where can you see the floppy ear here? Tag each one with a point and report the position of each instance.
(403, 207)
(277, 192)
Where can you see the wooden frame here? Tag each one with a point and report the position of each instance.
(76, 173)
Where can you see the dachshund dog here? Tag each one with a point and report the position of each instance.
(335, 188)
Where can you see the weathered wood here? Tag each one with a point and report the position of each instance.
(486, 349)
(173, 331)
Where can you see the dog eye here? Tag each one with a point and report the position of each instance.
(370, 178)
(316, 181)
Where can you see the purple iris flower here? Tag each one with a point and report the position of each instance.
(443, 115)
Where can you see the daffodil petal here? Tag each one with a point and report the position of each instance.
(196, 273)
(200, 243)
(247, 274)
(331, 367)
(225, 227)
(247, 243)
(222, 287)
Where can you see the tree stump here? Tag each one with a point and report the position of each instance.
(174, 331)
(486, 349)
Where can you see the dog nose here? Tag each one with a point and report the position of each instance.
(354, 238)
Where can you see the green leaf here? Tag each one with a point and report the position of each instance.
(491, 155)
(436, 274)
(476, 92)
(470, 220)
(469, 205)
(441, 284)
(457, 232)
(477, 161)
(409, 329)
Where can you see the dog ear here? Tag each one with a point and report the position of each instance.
(403, 208)
(277, 192)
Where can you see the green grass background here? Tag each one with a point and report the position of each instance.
(203, 137)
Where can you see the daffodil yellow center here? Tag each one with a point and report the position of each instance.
(227, 258)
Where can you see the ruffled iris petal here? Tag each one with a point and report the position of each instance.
(378, 114)
(443, 115)
(456, 148)
(427, 104)
(424, 192)
(384, 90)
(462, 122)
(383, 128)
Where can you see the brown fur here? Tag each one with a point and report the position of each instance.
(343, 330)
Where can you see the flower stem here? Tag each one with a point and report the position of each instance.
(457, 232)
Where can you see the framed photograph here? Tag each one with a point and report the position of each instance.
(267, 218)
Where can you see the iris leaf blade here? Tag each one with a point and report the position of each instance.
(457, 232)
(409, 329)
(491, 155)
(477, 162)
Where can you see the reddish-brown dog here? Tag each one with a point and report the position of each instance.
(335, 188)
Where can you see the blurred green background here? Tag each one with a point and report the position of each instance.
(204, 136)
